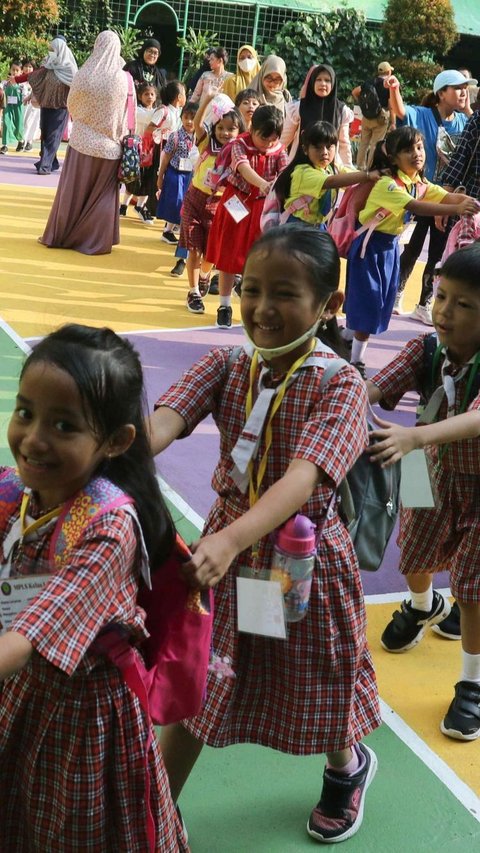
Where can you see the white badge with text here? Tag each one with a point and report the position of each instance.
(185, 164)
(16, 593)
(260, 608)
(236, 208)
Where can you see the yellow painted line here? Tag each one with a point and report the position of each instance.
(418, 685)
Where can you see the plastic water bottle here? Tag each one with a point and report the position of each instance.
(292, 564)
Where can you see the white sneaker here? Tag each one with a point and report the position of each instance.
(398, 304)
(422, 313)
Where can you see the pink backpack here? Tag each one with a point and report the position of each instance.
(342, 226)
(272, 213)
(463, 233)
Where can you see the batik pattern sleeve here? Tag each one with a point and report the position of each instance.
(402, 374)
(96, 587)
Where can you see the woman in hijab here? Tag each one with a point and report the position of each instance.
(144, 68)
(271, 83)
(84, 215)
(50, 87)
(247, 67)
(319, 102)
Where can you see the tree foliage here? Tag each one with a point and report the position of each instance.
(420, 28)
(28, 17)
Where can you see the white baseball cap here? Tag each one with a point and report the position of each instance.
(452, 77)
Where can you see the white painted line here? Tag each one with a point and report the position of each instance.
(397, 597)
(13, 335)
(442, 771)
(182, 506)
(235, 326)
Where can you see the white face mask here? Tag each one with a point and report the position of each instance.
(247, 64)
(275, 352)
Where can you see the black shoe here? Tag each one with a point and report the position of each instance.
(4, 149)
(179, 268)
(360, 366)
(143, 215)
(19, 147)
(213, 289)
(224, 317)
(28, 146)
(462, 720)
(409, 625)
(169, 237)
(123, 209)
(194, 302)
(450, 627)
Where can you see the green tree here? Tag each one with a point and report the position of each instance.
(420, 28)
(28, 18)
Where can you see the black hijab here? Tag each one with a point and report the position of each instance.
(313, 108)
(142, 72)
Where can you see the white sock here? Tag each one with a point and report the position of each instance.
(347, 334)
(470, 668)
(195, 289)
(359, 349)
(127, 197)
(225, 301)
(422, 600)
(141, 200)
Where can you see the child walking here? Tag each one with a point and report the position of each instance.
(146, 98)
(31, 113)
(257, 158)
(201, 201)
(246, 103)
(12, 125)
(447, 536)
(373, 265)
(314, 691)
(307, 187)
(84, 515)
(175, 173)
(165, 120)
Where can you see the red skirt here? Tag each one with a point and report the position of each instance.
(229, 242)
(198, 211)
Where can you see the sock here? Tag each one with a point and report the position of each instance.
(195, 289)
(225, 301)
(141, 200)
(356, 763)
(168, 227)
(422, 600)
(127, 197)
(470, 668)
(358, 350)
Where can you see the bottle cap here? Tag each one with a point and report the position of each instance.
(297, 536)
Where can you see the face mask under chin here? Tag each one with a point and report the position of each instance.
(269, 353)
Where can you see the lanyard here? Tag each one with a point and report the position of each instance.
(39, 522)
(254, 490)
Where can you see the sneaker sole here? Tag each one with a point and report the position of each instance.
(221, 326)
(356, 826)
(169, 242)
(433, 621)
(458, 735)
(445, 634)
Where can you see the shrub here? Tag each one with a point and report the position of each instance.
(420, 28)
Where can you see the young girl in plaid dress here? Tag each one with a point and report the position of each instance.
(448, 536)
(315, 691)
(79, 765)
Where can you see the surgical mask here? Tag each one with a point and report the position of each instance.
(268, 353)
(247, 64)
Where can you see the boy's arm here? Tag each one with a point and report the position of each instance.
(213, 554)
(393, 441)
(163, 427)
(15, 652)
(374, 393)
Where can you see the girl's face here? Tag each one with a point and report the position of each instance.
(456, 317)
(27, 69)
(54, 447)
(150, 55)
(278, 302)
(263, 143)
(320, 155)
(323, 84)
(411, 160)
(225, 130)
(216, 64)
(187, 122)
(148, 97)
(247, 109)
(273, 82)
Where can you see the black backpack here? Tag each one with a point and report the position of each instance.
(369, 101)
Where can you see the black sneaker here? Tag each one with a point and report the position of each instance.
(339, 813)
(194, 302)
(19, 147)
(143, 215)
(204, 284)
(450, 627)
(28, 146)
(123, 209)
(409, 625)
(224, 317)
(462, 721)
(4, 149)
(214, 285)
(179, 268)
(169, 237)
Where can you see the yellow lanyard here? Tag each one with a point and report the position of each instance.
(254, 491)
(39, 522)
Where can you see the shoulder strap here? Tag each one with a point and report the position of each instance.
(130, 107)
(430, 347)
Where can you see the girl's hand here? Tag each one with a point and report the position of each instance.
(159, 182)
(441, 222)
(211, 559)
(265, 187)
(468, 205)
(391, 82)
(391, 442)
(374, 175)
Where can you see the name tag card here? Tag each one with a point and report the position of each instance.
(15, 594)
(415, 486)
(185, 164)
(12, 99)
(236, 208)
(260, 608)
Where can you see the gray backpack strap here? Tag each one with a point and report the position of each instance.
(332, 367)
(233, 357)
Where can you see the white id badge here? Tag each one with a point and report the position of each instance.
(415, 485)
(406, 234)
(16, 593)
(12, 99)
(185, 164)
(236, 208)
(260, 608)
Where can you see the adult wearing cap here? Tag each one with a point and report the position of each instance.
(441, 126)
(144, 69)
(375, 127)
(463, 169)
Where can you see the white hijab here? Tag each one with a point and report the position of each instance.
(61, 61)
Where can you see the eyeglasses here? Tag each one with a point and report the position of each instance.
(152, 50)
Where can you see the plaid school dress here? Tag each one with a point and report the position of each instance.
(72, 735)
(316, 691)
(448, 536)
